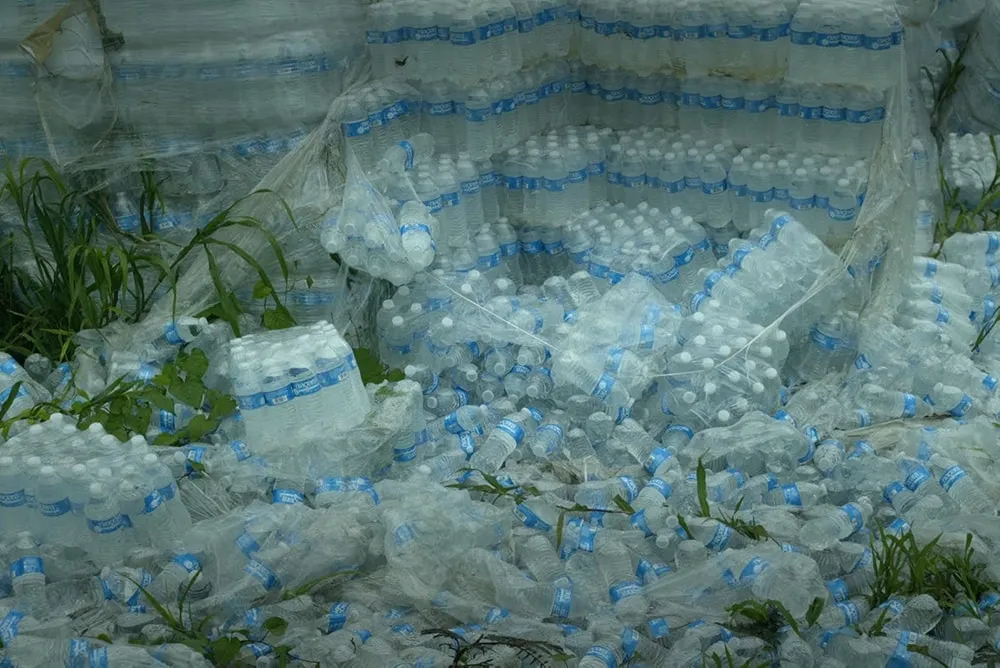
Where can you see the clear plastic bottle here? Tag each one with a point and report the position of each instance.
(406, 154)
(960, 487)
(106, 525)
(839, 523)
(14, 509)
(27, 575)
(55, 521)
(506, 437)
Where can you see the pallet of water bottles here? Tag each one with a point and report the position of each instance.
(497, 115)
(818, 41)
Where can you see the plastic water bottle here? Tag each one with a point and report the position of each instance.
(27, 575)
(106, 524)
(52, 505)
(357, 131)
(505, 438)
(406, 154)
(713, 186)
(961, 488)
(840, 523)
(801, 494)
(479, 124)
(13, 500)
(842, 212)
(417, 231)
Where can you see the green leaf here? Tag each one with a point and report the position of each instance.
(262, 290)
(815, 610)
(623, 505)
(199, 427)
(224, 650)
(277, 318)
(395, 375)
(165, 439)
(194, 364)
(924, 650)
(275, 625)
(706, 511)
(157, 397)
(308, 587)
(560, 525)
(199, 644)
(167, 375)
(104, 637)
(221, 406)
(190, 392)
(684, 525)
(9, 401)
(168, 618)
(493, 481)
(371, 368)
(789, 618)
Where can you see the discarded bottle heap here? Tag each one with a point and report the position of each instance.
(641, 384)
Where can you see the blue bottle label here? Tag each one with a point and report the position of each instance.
(26, 566)
(720, 538)
(838, 589)
(188, 562)
(892, 490)
(288, 497)
(55, 509)
(337, 617)
(854, 515)
(530, 519)
(562, 599)
(106, 526)
(512, 429)
(791, 494)
(952, 476)
(754, 567)
(916, 478)
(623, 590)
(262, 574)
(9, 626)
